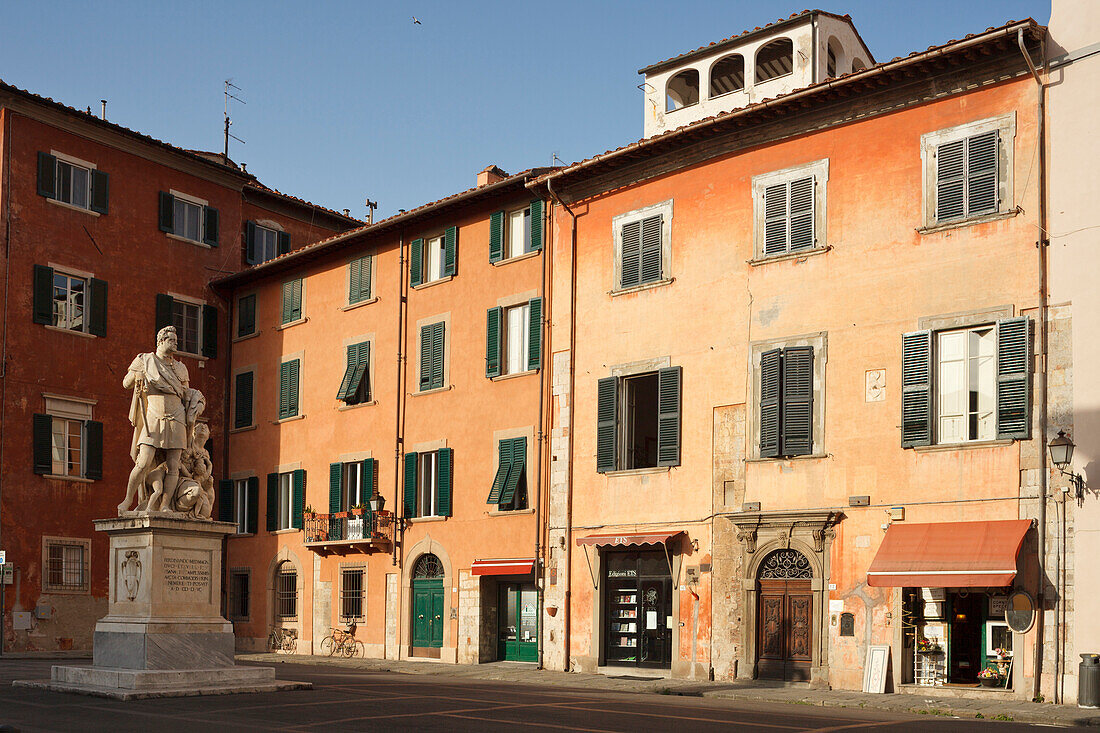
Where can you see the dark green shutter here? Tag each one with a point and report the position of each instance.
(410, 484)
(606, 413)
(346, 386)
(492, 341)
(496, 236)
(771, 374)
(282, 243)
(246, 315)
(367, 473)
(288, 389)
(97, 310)
(450, 251)
(336, 488)
(534, 335)
(437, 355)
(796, 438)
(43, 295)
(163, 312)
(42, 436)
(425, 357)
(1014, 378)
(359, 279)
(504, 466)
(292, 300)
(536, 226)
(362, 367)
(292, 400)
(93, 456)
(916, 389)
(631, 269)
(650, 257)
(100, 191)
(250, 242)
(446, 476)
(416, 252)
(209, 332)
(253, 517)
(272, 501)
(47, 175)
(297, 498)
(519, 465)
(225, 500)
(167, 212)
(210, 226)
(669, 388)
(243, 389)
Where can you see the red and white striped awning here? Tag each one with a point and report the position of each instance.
(506, 566)
(622, 539)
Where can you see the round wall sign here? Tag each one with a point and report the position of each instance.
(1020, 613)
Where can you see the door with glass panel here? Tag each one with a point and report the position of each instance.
(518, 635)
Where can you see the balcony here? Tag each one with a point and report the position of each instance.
(349, 532)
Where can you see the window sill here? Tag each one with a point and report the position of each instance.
(933, 228)
(81, 334)
(360, 304)
(285, 531)
(245, 429)
(517, 258)
(510, 512)
(974, 445)
(513, 375)
(254, 334)
(431, 391)
(290, 324)
(190, 355)
(74, 479)
(73, 207)
(638, 471)
(64, 592)
(418, 520)
(195, 242)
(757, 261)
(244, 534)
(344, 408)
(288, 419)
(429, 284)
(811, 457)
(643, 286)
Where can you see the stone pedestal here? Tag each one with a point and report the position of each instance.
(164, 634)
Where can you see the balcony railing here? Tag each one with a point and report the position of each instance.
(346, 532)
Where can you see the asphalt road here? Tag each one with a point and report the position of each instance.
(356, 700)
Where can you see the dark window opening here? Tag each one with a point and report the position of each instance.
(858, 64)
(640, 421)
(682, 90)
(728, 75)
(238, 595)
(775, 59)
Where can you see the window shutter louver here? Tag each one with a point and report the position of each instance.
(362, 366)
(606, 413)
(802, 214)
(100, 192)
(243, 400)
(225, 500)
(210, 226)
(163, 312)
(775, 219)
(368, 473)
(536, 226)
(496, 236)
(437, 356)
(252, 517)
(416, 252)
(651, 249)
(669, 389)
(797, 394)
(298, 498)
(446, 475)
(47, 175)
(515, 473)
(288, 389)
(209, 332)
(97, 321)
(916, 389)
(292, 300)
(167, 212)
(246, 315)
(492, 341)
(504, 466)
(1014, 378)
(534, 334)
(410, 484)
(450, 251)
(93, 446)
(272, 501)
(43, 295)
(982, 155)
(632, 254)
(282, 243)
(359, 279)
(335, 487)
(365, 273)
(42, 436)
(425, 358)
(951, 181)
(250, 242)
(346, 387)
(771, 375)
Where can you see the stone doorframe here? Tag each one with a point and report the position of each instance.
(427, 546)
(809, 532)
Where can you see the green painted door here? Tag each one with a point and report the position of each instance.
(518, 623)
(427, 627)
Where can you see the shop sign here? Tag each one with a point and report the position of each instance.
(630, 573)
(998, 605)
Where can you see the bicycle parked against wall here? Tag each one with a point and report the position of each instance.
(282, 640)
(342, 642)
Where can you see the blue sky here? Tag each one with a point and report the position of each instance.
(347, 100)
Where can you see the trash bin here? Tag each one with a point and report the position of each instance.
(1088, 681)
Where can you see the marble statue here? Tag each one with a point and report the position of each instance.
(172, 470)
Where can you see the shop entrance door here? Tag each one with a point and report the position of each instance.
(427, 606)
(784, 618)
(518, 623)
(638, 609)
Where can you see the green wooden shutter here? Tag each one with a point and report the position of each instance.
(410, 484)
(771, 374)
(288, 389)
(437, 355)
(802, 235)
(100, 191)
(93, 446)
(492, 341)
(42, 437)
(982, 158)
(163, 312)
(253, 517)
(225, 500)
(951, 181)
(209, 332)
(1014, 378)
(292, 400)
(519, 464)
(504, 466)
(292, 300)
(167, 212)
(446, 476)
(425, 357)
(496, 236)
(246, 315)
(43, 295)
(669, 389)
(362, 369)
(606, 433)
(631, 254)
(450, 251)
(349, 371)
(916, 389)
(536, 226)
(210, 226)
(368, 472)
(272, 501)
(775, 219)
(47, 175)
(336, 488)
(250, 242)
(359, 274)
(97, 310)
(298, 498)
(652, 236)
(797, 414)
(534, 336)
(365, 273)
(416, 252)
(282, 242)
(243, 388)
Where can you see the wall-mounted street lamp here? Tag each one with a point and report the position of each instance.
(1061, 455)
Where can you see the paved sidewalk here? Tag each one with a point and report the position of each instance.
(520, 673)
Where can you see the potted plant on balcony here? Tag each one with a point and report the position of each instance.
(358, 509)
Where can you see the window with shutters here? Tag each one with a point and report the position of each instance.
(189, 218)
(789, 210)
(286, 592)
(509, 488)
(70, 300)
(246, 316)
(515, 233)
(360, 271)
(244, 391)
(432, 260)
(292, 301)
(284, 502)
(240, 592)
(266, 243)
(355, 385)
(513, 338)
(968, 172)
(289, 372)
(187, 318)
(642, 246)
(72, 182)
(65, 565)
(352, 592)
(67, 442)
(196, 324)
(432, 356)
(427, 484)
(787, 416)
(638, 420)
(67, 447)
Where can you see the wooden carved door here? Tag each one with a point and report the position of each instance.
(784, 619)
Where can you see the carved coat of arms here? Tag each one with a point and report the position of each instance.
(131, 574)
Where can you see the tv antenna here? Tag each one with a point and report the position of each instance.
(230, 95)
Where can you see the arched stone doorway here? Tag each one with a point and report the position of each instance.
(784, 616)
(428, 616)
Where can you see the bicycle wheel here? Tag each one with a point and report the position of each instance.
(290, 644)
(360, 650)
(273, 642)
(348, 648)
(328, 646)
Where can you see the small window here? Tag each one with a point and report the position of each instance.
(966, 382)
(789, 210)
(74, 184)
(774, 60)
(432, 356)
(66, 565)
(288, 388)
(267, 244)
(834, 57)
(70, 301)
(284, 502)
(67, 442)
(354, 491)
(69, 297)
(968, 171)
(352, 586)
(239, 594)
(187, 318)
(517, 322)
(286, 592)
(241, 502)
(786, 402)
(682, 90)
(642, 246)
(246, 315)
(515, 233)
(513, 339)
(427, 488)
(68, 447)
(519, 232)
(427, 484)
(188, 220)
(196, 324)
(433, 259)
(243, 396)
(71, 182)
(359, 280)
(292, 301)
(728, 75)
(355, 387)
(638, 421)
(509, 488)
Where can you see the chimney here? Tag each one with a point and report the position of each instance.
(491, 174)
(244, 167)
(103, 108)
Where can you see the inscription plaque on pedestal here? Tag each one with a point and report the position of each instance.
(187, 576)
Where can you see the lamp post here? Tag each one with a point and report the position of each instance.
(1061, 455)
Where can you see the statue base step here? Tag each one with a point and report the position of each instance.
(136, 684)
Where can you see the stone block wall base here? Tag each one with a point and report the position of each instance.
(130, 684)
(178, 651)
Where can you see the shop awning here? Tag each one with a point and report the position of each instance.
(506, 566)
(628, 540)
(948, 555)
